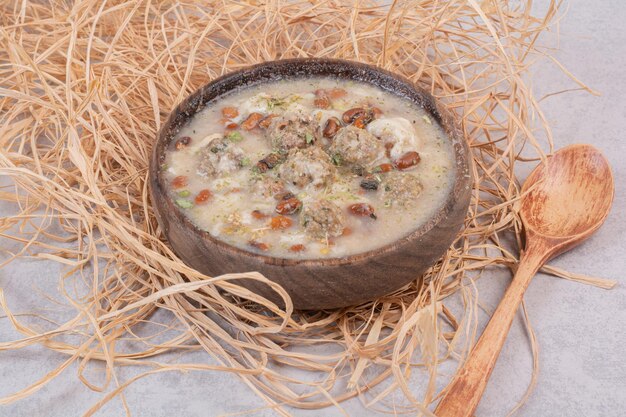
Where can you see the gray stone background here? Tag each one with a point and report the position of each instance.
(580, 329)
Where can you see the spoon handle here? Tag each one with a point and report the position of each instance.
(468, 385)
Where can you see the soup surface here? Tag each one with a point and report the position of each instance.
(309, 168)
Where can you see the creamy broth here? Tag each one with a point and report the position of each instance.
(316, 179)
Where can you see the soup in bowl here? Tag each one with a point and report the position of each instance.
(340, 181)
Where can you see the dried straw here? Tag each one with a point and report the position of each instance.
(85, 85)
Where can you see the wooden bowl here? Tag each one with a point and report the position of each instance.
(316, 283)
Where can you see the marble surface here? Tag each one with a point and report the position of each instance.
(580, 329)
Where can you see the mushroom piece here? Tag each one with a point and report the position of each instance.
(397, 133)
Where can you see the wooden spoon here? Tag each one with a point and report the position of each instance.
(565, 200)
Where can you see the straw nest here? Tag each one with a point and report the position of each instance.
(84, 87)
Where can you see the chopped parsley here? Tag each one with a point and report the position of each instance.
(309, 138)
(234, 136)
(273, 102)
(336, 159)
(219, 147)
(184, 193)
(182, 203)
(283, 102)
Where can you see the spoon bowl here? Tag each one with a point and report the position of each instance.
(565, 200)
(568, 195)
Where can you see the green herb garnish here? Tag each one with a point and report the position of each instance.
(336, 159)
(308, 137)
(234, 136)
(245, 161)
(184, 193)
(275, 102)
(283, 102)
(182, 203)
(218, 147)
